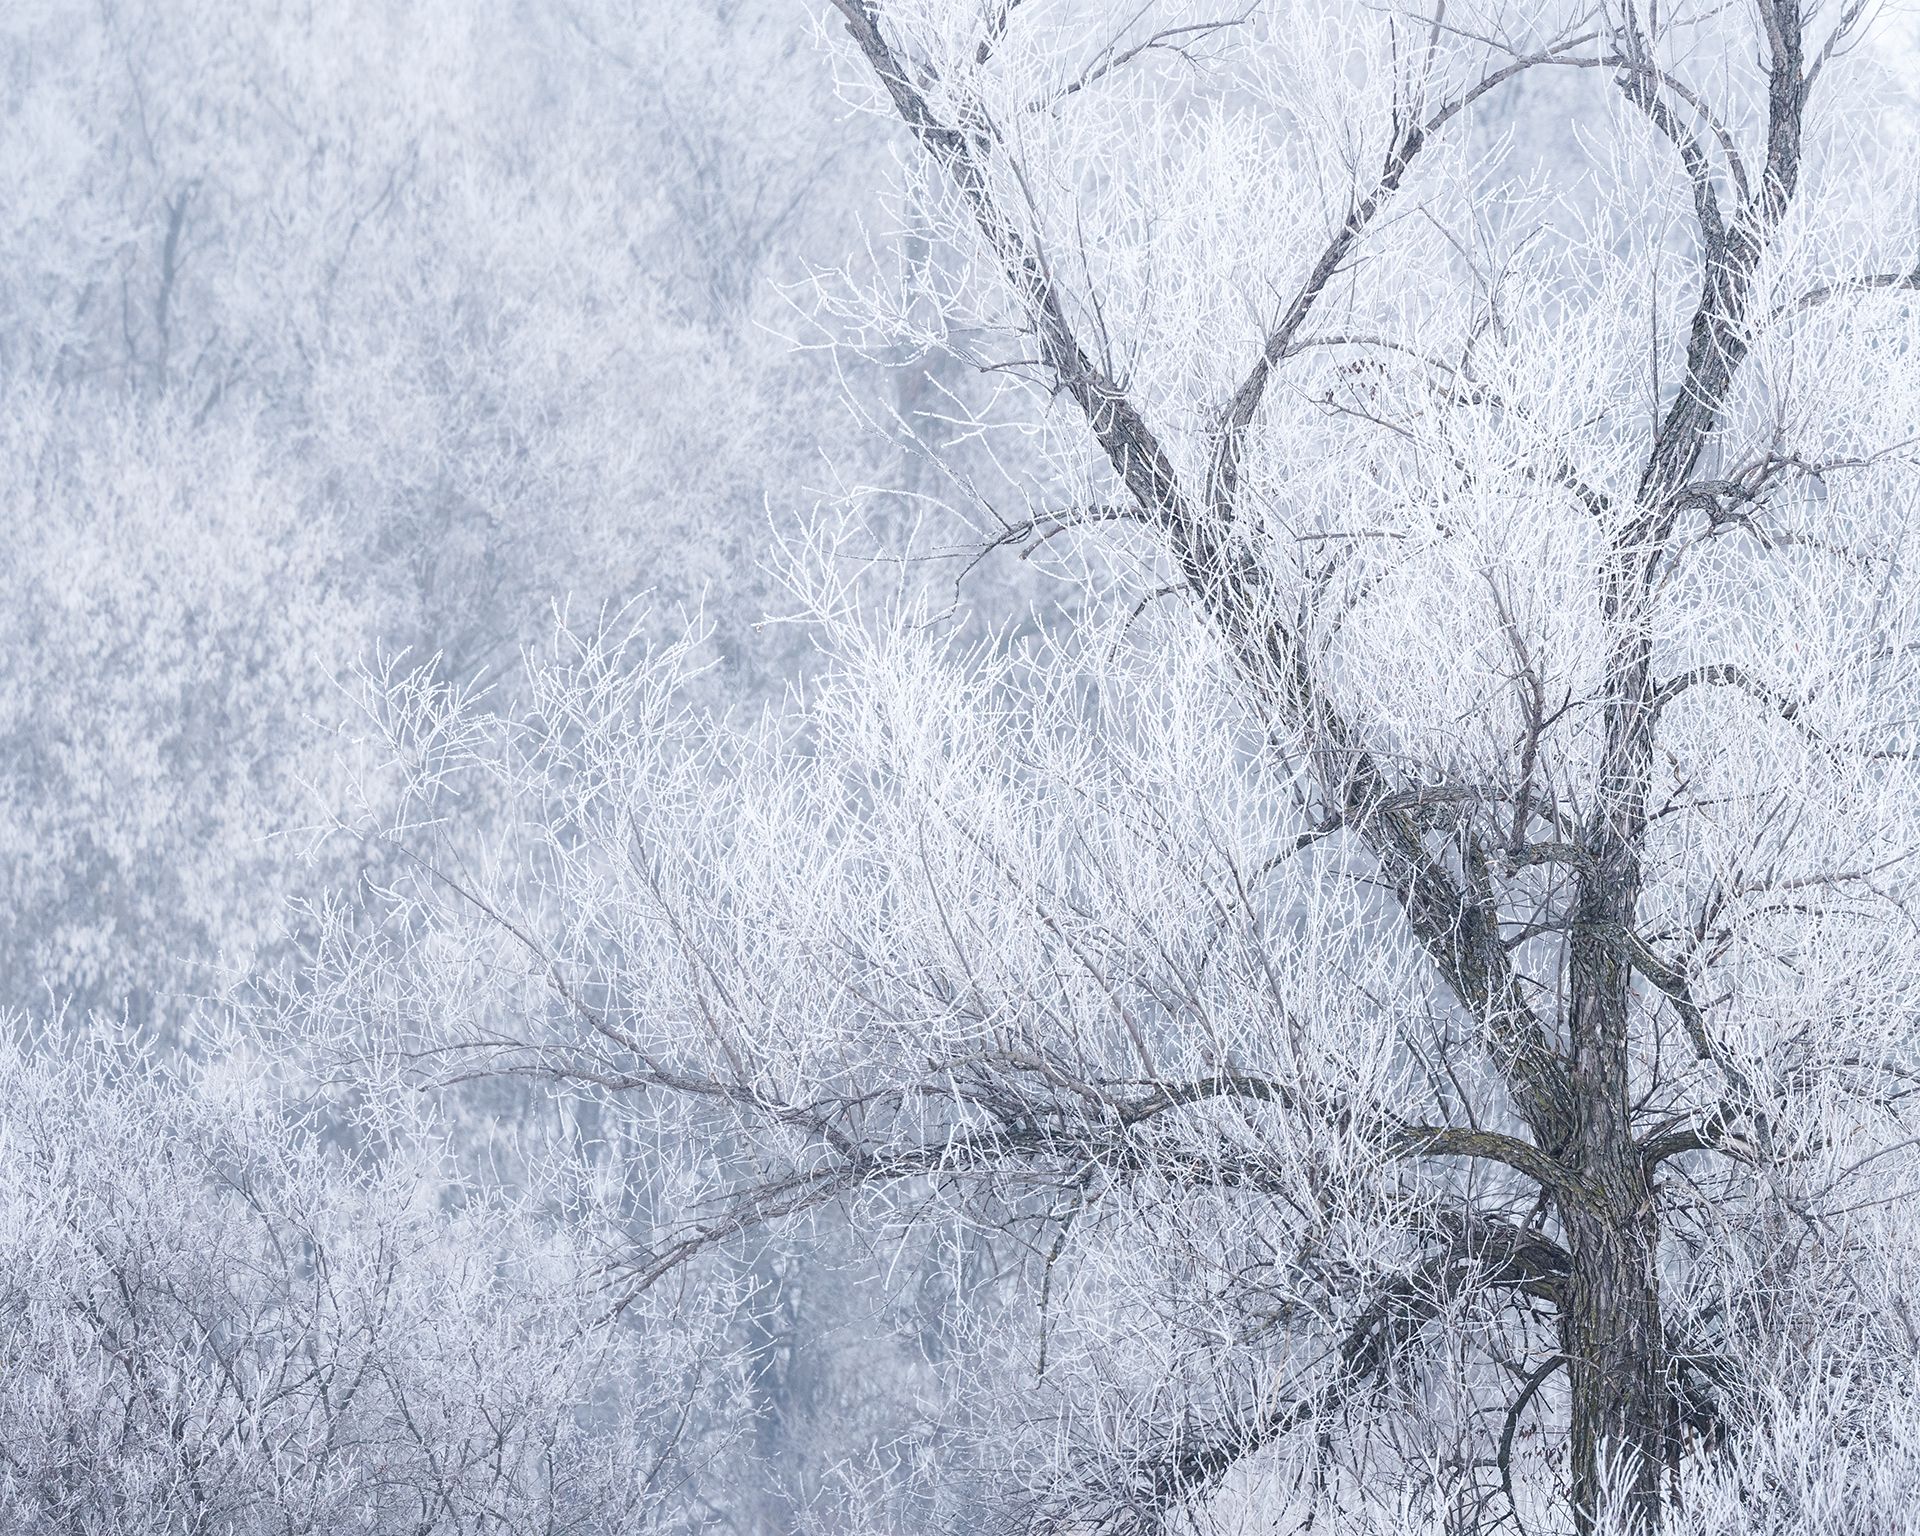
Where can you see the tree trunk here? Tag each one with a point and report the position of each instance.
(1611, 1332)
(1611, 1335)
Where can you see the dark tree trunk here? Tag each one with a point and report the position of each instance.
(1611, 1335)
(1611, 1330)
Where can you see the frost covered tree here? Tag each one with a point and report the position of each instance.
(1507, 629)
(1401, 1012)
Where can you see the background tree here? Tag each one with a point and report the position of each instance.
(328, 333)
(214, 1317)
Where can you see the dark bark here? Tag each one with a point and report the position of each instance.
(1611, 1333)
(1615, 1349)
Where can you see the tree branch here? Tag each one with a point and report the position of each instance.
(1131, 447)
(1878, 282)
(1726, 675)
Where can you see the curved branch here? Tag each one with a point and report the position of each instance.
(1642, 82)
(1528, 1390)
(1726, 675)
(1018, 1135)
(1713, 1132)
(1743, 1103)
(1224, 475)
(1489, 1146)
(1171, 39)
(1717, 343)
